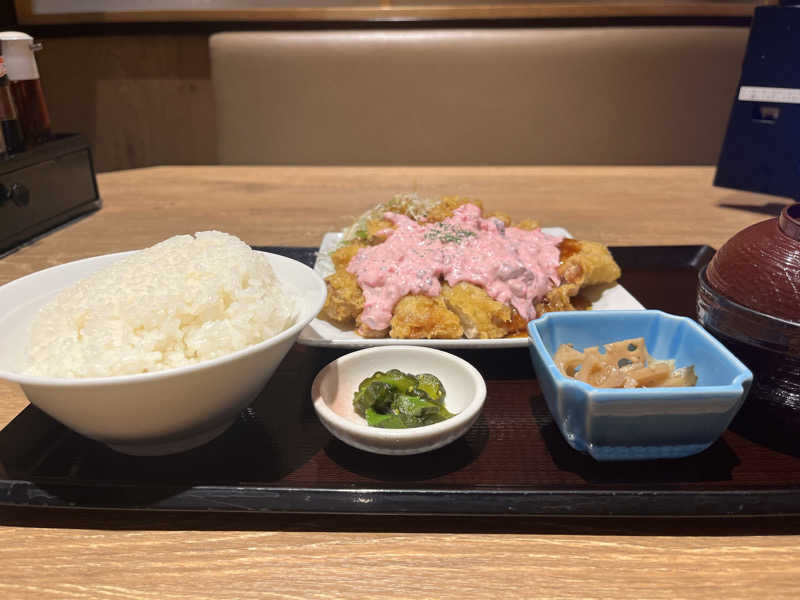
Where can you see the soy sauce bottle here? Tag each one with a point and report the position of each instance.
(3, 151)
(26, 88)
(9, 122)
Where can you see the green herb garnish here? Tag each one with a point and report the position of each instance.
(447, 233)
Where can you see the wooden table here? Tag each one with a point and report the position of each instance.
(52, 553)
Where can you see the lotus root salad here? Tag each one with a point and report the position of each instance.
(622, 364)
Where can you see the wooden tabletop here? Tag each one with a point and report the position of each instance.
(61, 553)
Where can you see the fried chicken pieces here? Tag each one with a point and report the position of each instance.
(481, 315)
(582, 264)
(465, 309)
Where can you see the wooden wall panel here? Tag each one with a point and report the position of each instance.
(141, 100)
(141, 93)
(143, 96)
(183, 11)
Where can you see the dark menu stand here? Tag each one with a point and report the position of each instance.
(760, 152)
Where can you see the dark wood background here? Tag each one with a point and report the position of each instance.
(138, 85)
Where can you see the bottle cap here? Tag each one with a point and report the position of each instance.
(17, 51)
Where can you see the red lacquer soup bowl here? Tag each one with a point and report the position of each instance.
(749, 298)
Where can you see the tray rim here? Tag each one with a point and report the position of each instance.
(417, 501)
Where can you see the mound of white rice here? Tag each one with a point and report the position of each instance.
(182, 301)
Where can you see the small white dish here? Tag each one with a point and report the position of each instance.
(324, 334)
(334, 386)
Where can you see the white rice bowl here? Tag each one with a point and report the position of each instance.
(171, 409)
(185, 300)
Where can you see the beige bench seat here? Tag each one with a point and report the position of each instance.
(549, 95)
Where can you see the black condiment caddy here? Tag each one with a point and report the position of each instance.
(45, 187)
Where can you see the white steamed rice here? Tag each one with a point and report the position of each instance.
(182, 301)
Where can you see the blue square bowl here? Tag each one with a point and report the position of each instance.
(639, 423)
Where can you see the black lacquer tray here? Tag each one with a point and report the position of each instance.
(278, 458)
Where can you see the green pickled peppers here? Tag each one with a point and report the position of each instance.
(397, 400)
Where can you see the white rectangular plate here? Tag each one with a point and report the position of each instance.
(322, 333)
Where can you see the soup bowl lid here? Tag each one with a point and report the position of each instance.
(759, 267)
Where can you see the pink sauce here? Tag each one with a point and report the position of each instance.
(514, 266)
